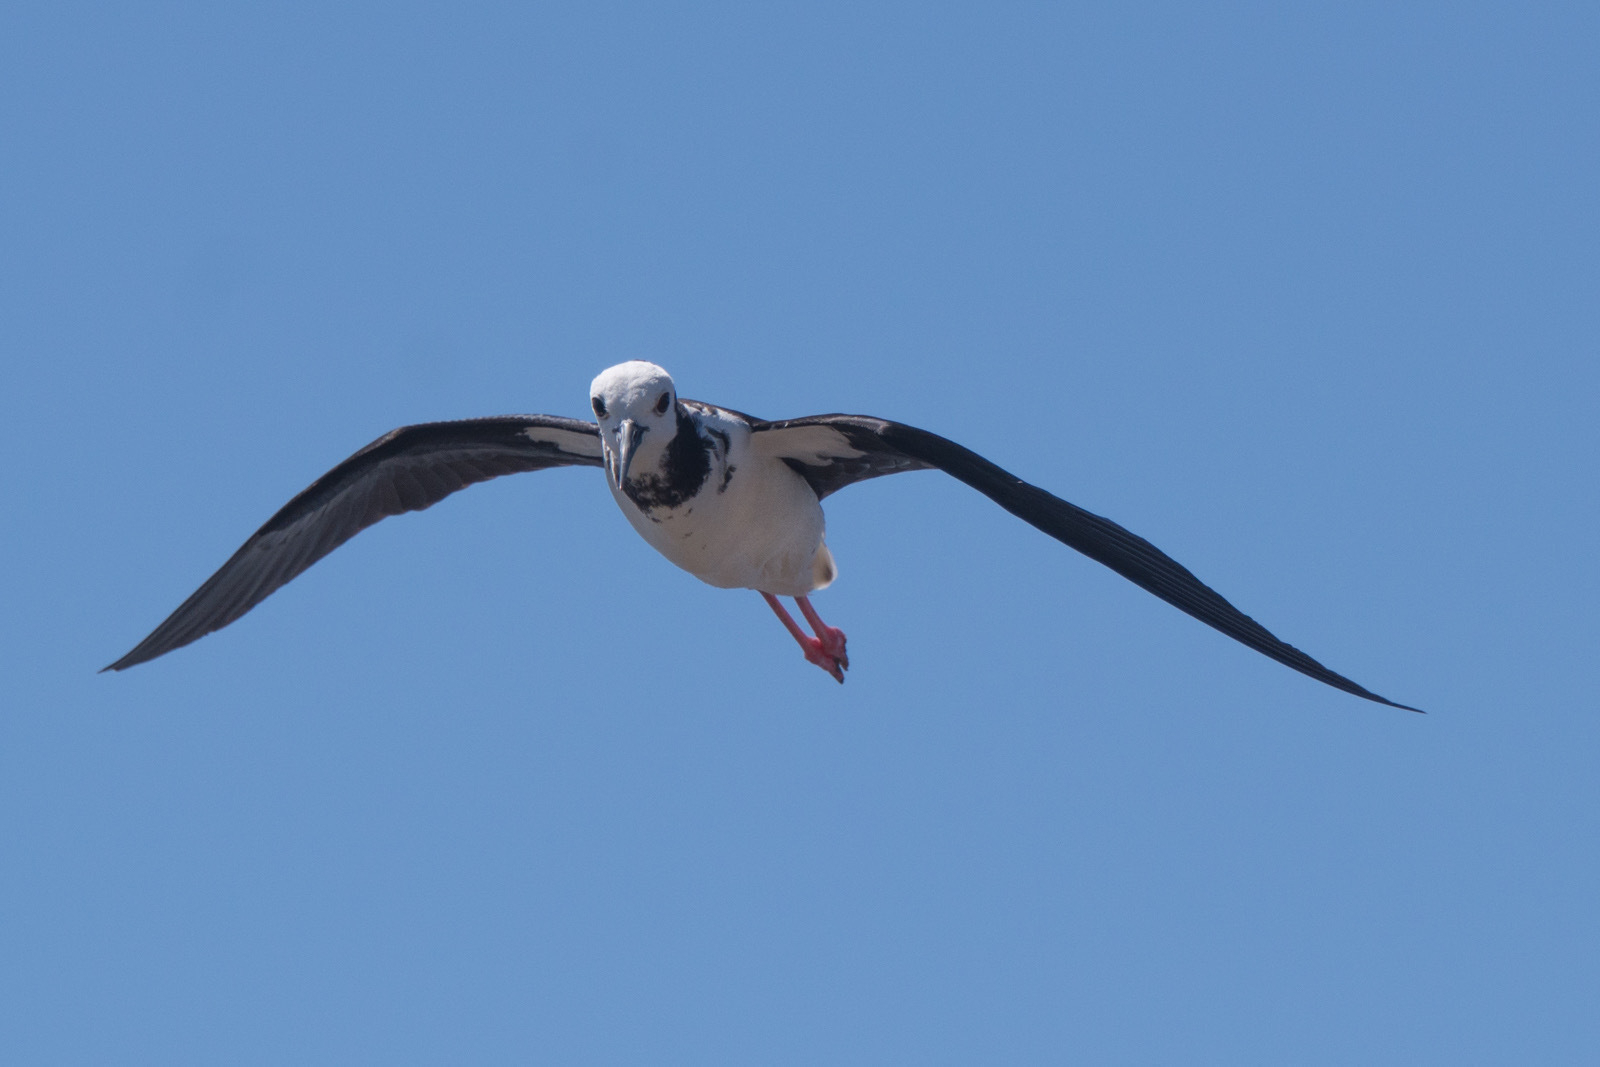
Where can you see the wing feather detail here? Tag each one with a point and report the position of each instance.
(833, 451)
(408, 469)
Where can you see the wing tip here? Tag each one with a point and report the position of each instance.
(132, 659)
(1376, 699)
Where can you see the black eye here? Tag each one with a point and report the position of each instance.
(599, 407)
(661, 404)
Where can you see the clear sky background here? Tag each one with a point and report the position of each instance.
(1306, 294)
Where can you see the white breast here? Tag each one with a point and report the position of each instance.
(755, 523)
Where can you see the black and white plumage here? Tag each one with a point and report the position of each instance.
(734, 500)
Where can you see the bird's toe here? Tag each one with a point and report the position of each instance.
(816, 652)
(832, 640)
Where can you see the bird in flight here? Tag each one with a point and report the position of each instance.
(734, 500)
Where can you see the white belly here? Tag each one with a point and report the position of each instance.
(763, 531)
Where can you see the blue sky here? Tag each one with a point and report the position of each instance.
(1308, 296)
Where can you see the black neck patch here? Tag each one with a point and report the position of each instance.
(685, 466)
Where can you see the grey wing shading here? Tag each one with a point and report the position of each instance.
(833, 451)
(407, 469)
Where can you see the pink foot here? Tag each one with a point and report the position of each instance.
(817, 653)
(831, 637)
(826, 650)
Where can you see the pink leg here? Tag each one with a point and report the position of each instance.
(832, 638)
(816, 649)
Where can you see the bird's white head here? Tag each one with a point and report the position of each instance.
(636, 406)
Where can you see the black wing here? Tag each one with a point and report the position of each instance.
(833, 451)
(407, 469)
